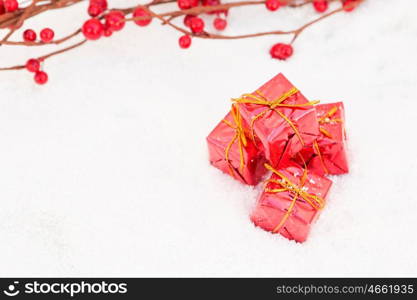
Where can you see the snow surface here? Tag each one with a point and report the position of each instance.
(104, 171)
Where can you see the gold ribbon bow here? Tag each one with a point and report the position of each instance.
(259, 99)
(327, 118)
(298, 190)
(239, 137)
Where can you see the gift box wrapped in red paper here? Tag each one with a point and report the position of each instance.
(281, 118)
(327, 155)
(291, 201)
(232, 152)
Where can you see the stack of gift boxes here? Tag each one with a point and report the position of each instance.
(276, 130)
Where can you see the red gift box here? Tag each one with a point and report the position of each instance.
(281, 118)
(232, 152)
(328, 155)
(291, 201)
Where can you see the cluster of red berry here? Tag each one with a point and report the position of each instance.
(94, 28)
(46, 35)
(34, 65)
(196, 23)
(322, 5)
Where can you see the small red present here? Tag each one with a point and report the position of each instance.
(281, 118)
(232, 152)
(328, 155)
(291, 201)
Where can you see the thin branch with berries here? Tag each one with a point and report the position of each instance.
(105, 21)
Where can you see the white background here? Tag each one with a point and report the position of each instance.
(104, 171)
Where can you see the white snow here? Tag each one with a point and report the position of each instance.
(104, 171)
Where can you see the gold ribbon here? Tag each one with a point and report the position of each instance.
(239, 137)
(259, 99)
(317, 149)
(298, 190)
(327, 118)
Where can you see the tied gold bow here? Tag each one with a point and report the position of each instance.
(298, 190)
(259, 99)
(239, 137)
(326, 119)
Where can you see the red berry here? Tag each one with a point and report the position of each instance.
(185, 41)
(101, 3)
(92, 29)
(41, 77)
(219, 23)
(187, 20)
(272, 5)
(47, 35)
(184, 4)
(94, 10)
(29, 35)
(197, 25)
(194, 3)
(115, 20)
(320, 5)
(140, 12)
(349, 5)
(33, 65)
(2, 9)
(97, 7)
(281, 51)
(11, 5)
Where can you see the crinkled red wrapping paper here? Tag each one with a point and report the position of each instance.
(275, 134)
(271, 207)
(218, 140)
(333, 158)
